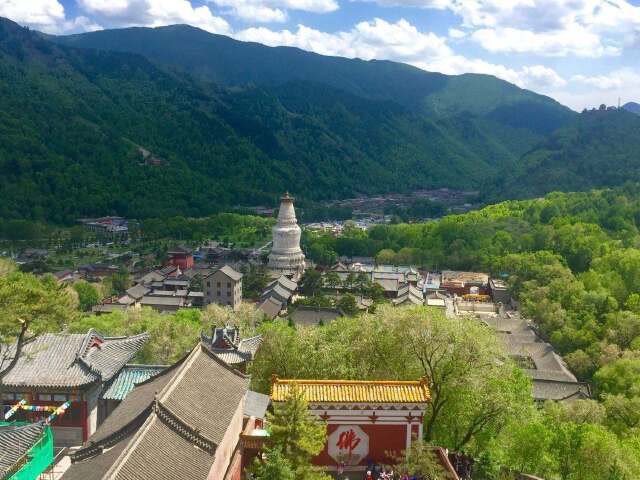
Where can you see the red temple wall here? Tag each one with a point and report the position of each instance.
(383, 439)
(183, 261)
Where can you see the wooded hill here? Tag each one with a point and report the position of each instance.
(232, 123)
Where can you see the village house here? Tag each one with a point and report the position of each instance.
(56, 368)
(224, 287)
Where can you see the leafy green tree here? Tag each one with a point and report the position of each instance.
(274, 465)
(172, 336)
(311, 282)
(386, 256)
(347, 304)
(88, 295)
(421, 460)
(29, 306)
(298, 434)
(332, 280)
(621, 377)
(362, 283)
(120, 281)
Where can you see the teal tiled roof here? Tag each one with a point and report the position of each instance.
(129, 377)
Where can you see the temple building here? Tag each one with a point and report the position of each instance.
(190, 421)
(76, 368)
(286, 257)
(367, 421)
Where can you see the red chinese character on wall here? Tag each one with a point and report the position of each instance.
(348, 441)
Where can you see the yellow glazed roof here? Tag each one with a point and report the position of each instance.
(352, 391)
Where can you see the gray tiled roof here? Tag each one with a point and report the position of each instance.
(15, 442)
(72, 360)
(185, 414)
(313, 315)
(231, 273)
(560, 390)
(162, 301)
(138, 291)
(226, 344)
(256, 404)
(271, 307)
(191, 410)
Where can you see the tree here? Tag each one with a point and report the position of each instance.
(421, 460)
(621, 377)
(172, 336)
(87, 295)
(347, 304)
(298, 434)
(386, 256)
(311, 282)
(362, 283)
(29, 306)
(332, 280)
(350, 280)
(273, 466)
(471, 392)
(120, 281)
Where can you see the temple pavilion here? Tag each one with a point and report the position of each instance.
(368, 422)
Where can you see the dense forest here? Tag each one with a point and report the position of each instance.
(95, 131)
(573, 261)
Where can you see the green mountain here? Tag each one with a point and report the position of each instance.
(599, 148)
(230, 62)
(74, 121)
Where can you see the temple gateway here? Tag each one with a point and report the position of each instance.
(286, 257)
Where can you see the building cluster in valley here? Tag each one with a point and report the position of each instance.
(82, 395)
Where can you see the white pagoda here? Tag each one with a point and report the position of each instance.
(286, 257)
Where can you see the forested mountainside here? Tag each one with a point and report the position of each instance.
(74, 119)
(239, 129)
(230, 62)
(599, 148)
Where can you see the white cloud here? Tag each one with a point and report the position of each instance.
(45, 15)
(585, 28)
(40, 14)
(265, 11)
(456, 33)
(574, 40)
(251, 11)
(154, 13)
(367, 40)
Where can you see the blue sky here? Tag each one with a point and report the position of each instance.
(581, 52)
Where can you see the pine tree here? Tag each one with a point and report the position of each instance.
(298, 434)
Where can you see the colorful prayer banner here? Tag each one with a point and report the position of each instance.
(14, 409)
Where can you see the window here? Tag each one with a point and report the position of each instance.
(218, 292)
(208, 283)
(44, 397)
(60, 397)
(218, 285)
(8, 396)
(228, 284)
